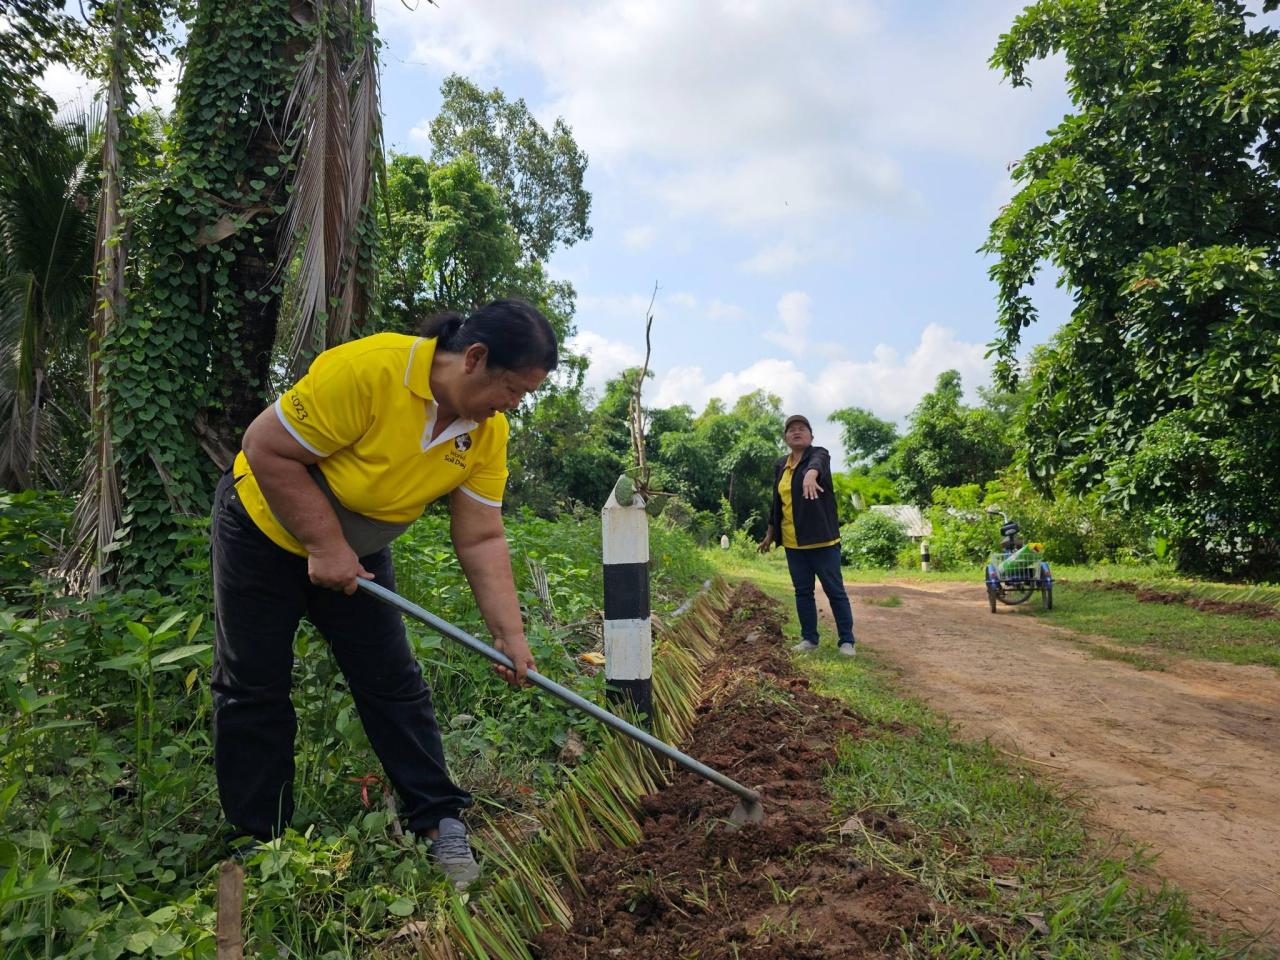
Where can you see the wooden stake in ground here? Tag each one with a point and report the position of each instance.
(230, 937)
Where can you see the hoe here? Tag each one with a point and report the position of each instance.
(749, 808)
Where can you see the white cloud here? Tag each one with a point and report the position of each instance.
(71, 89)
(639, 238)
(608, 357)
(794, 320)
(758, 114)
(68, 88)
(778, 258)
(719, 310)
(887, 383)
(421, 132)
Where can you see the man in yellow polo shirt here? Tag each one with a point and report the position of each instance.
(803, 516)
(327, 477)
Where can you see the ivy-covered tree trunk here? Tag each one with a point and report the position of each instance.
(186, 362)
(276, 137)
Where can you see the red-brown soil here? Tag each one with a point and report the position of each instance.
(788, 888)
(1236, 608)
(1181, 759)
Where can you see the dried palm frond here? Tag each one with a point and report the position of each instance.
(98, 511)
(333, 113)
(365, 148)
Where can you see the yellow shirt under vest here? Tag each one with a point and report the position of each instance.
(788, 516)
(366, 409)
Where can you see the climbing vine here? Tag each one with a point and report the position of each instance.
(175, 352)
(189, 361)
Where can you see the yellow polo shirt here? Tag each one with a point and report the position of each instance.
(366, 409)
(789, 517)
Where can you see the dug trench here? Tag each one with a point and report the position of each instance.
(792, 887)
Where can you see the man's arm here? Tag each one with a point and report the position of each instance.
(279, 462)
(481, 544)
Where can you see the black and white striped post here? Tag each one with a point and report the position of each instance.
(628, 634)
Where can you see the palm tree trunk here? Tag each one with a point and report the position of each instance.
(98, 511)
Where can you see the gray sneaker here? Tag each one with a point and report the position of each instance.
(452, 853)
(848, 650)
(805, 646)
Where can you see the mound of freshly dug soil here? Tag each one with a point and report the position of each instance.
(1237, 608)
(788, 888)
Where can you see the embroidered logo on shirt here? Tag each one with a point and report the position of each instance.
(462, 442)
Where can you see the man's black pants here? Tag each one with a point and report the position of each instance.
(261, 592)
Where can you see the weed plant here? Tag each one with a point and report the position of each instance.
(110, 830)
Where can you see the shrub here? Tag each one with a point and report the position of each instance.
(963, 533)
(32, 525)
(1072, 529)
(871, 541)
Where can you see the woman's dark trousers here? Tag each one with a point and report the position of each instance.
(823, 563)
(261, 592)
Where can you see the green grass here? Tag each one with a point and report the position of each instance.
(1173, 629)
(1144, 635)
(893, 600)
(982, 834)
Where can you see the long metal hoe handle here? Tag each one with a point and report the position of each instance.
(568, 696)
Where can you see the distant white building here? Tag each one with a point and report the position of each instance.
(912, 519)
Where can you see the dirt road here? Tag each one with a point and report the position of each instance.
(1184, 760)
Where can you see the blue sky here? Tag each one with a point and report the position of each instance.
(807, 183)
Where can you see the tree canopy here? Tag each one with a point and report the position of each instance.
(867, 439)
(1156, 200)
(948, 444)
(537, 172)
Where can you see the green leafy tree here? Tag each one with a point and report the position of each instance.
(1156, 200)
(48, 205)
(456, 250)
(556, 459)
(860, 488)
(725, 453)
(405, 297)
(948, 444)
(469, 249)
(537, 172)
(867, 439)
(37, 34)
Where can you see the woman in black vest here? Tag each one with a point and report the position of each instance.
(803, 518)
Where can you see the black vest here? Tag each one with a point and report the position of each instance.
(816, 520)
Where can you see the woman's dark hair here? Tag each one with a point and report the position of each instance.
(517, 334)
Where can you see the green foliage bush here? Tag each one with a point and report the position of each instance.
(110, 832)
(860, 488)
(1072, 529)
(32, 524)
(963, 533)
(872, 541)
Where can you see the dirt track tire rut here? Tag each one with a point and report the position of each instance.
(1185, 759)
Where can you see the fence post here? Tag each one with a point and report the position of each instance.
(230, 935)
(628, 634)
(924, 556)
